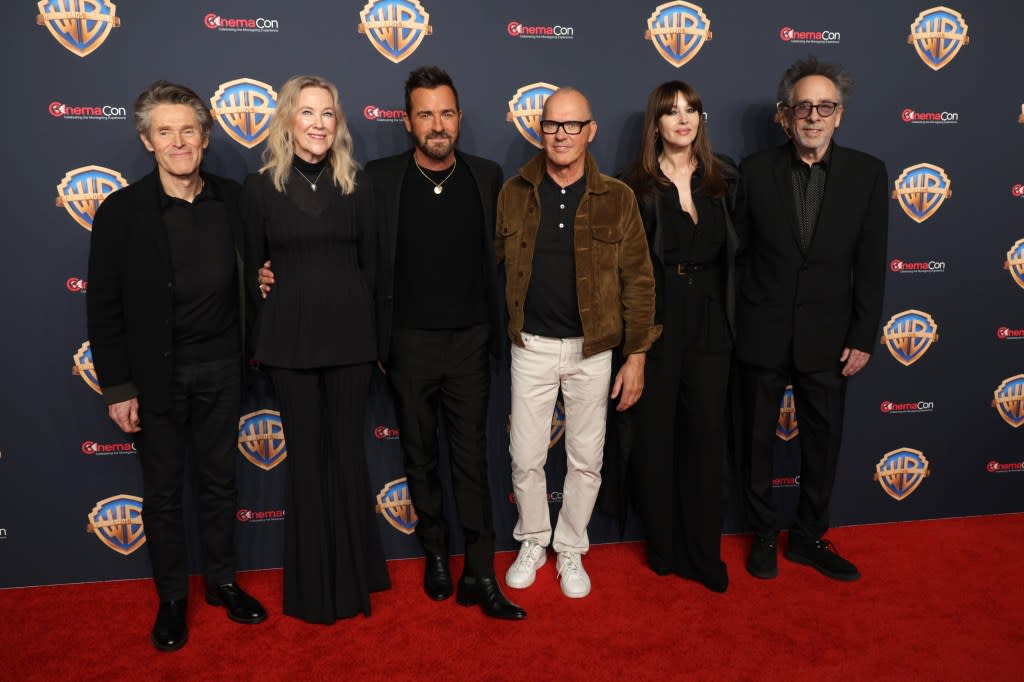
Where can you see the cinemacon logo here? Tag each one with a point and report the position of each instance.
(1004, 467)
(786, 482)
(1006, 333)
(517, 29)
(62, 110)
(215, 22)
(911, 116)
(76, 285)
(903, 266)
(791, 35)
(889, 407)
(1017, 190)
(247, 515)
(90, 447)
(385, 433)
(375, 113)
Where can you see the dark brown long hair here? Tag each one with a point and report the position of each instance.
(645, 175)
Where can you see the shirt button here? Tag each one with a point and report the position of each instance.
(563, 191)
(561, 206)
(561, 225)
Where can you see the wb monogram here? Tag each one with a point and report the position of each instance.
(901, 471)
(937, 35)
(81, 26)
(787, 427)
(909, 335)
(117, 522)
(1009, 400)
(525, 109)
(395, 28)
(921, 189)
(678, 31)
(395, 505)
(261, 438)
(244, 107)
(82, 190)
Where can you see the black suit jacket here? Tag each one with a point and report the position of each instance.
(130, 299)
(805, 307)
(387, 175)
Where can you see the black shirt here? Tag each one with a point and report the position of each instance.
(439, 255)
(552, 307)
(808, 192)
(204, 263)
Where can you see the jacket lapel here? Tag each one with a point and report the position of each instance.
(784, 187)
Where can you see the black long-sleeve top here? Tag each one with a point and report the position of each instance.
(322, 247)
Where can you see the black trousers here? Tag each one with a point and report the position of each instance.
(678, 465)
(333, 558)
(203, 416)
(449, 369)
(819, 398)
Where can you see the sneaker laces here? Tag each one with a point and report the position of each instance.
(570, 564)
(526, 558)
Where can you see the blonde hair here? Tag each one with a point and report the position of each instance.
(277, 155)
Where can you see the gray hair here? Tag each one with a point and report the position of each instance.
(162, 92)
(812, 67)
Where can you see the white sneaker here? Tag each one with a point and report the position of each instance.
(523, 570)
(573, 578)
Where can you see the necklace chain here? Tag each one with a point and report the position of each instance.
(312, 185)
(438, 186)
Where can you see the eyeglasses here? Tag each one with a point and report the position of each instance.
(803, 110)
(570, 127)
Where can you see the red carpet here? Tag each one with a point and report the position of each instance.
(939, 600)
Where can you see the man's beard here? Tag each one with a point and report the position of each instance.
(433, 152)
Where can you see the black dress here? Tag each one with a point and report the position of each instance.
(678, 460)
(314, 334)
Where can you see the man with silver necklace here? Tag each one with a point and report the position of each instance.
(438, 320)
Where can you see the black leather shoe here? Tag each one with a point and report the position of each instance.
(763, 560)
(486, 593)
(170, 632)
(820, 555)
(437, 579)
(240, 606)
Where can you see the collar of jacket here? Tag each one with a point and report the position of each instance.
(533, 172)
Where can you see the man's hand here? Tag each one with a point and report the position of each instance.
(126, 415)
(266, 279)
(854, 359)
(629, 381)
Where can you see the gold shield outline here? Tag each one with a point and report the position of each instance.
(261, 438)
(387, 30)
(1008, 399)
(669, 27)
(117, 523)
(84, 367)
(70, 24)
(1014, 262)
(918, 201)
(901, 471)
(932, 41)
(82, 190)
(525, 109)
(909, 345)
(242, 120)
(394, 503)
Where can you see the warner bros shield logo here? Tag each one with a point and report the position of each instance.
(117, 522)
(1015, 262)
(901, 471)
(525, 109)
(1009, 400)
(678, 31)
(82, 190)
(921, 189)
(909, 335)
(261, 438)
(81, 26)
(394, 503)
(243, 108)
(787, 427)
(937, 35)
(84, 368)
(395, 28)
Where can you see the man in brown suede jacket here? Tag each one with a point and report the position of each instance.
(579, 283)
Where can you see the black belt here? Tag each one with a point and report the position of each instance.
(684, 269)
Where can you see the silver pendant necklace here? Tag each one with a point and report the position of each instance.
(312, 185)
(438, 186)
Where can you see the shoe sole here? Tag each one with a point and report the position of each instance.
(764, 575)
(533, 577)
(844, 577)
(575, 596)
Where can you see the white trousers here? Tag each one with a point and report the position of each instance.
(538, 371)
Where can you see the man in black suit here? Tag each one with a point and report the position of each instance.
(165, 315)
(814, 219)
(438, 321)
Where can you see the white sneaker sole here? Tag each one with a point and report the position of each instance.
(575, 595)
(522, 585)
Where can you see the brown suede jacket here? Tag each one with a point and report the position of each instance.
(614, 279)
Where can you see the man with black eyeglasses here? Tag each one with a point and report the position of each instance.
(813, 223)
(579, 284)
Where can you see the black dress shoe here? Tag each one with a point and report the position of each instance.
(820, 555)
(486, 593)
(240, 606)
(437, 579)
(763, 560)
(170, 632)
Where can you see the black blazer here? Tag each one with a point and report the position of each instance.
(802, 307)
(387, 175)
(651, 210)
(130, 299)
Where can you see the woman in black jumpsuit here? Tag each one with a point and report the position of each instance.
(310, 212)
(680, 425)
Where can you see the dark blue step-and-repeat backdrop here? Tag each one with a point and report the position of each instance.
(933, 423)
